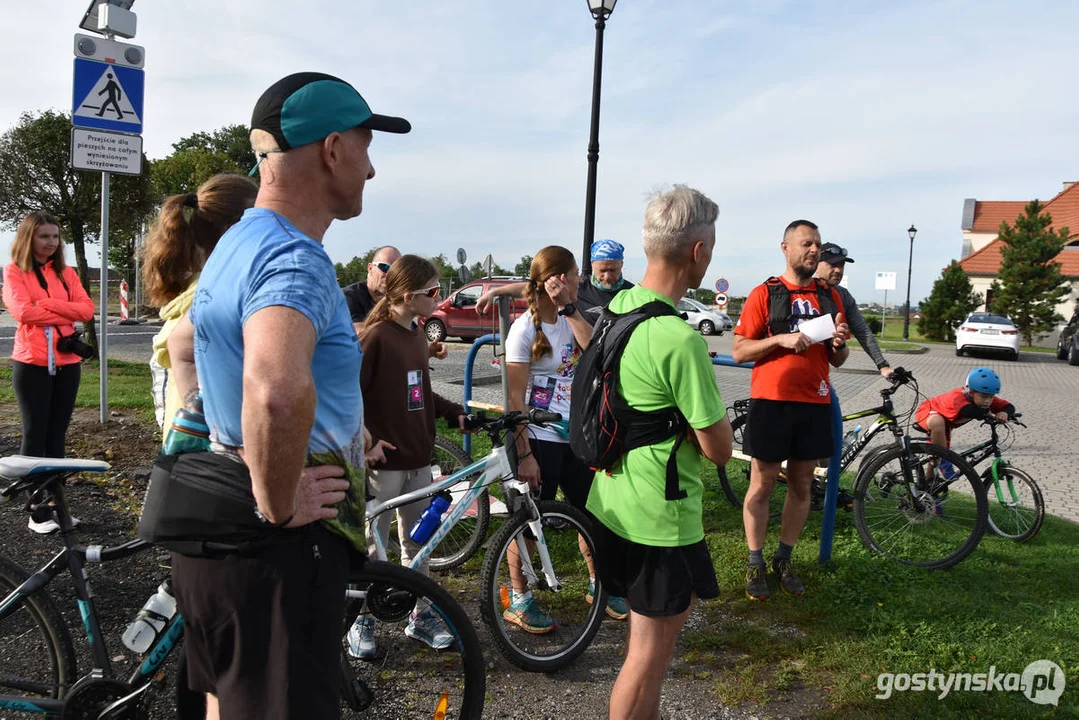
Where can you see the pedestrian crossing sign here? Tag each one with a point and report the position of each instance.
(107, 96)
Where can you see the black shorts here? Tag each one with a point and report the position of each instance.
(263, 633)
(778, 430)
(655, 581)
(559, 467)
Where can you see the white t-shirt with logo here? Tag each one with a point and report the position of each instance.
(550, 377)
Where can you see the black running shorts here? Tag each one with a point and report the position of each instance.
(655, 581)
(778, 430)
(263, 633)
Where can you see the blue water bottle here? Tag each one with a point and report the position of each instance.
(425, 527)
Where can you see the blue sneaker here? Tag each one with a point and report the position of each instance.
(527, 615)
(948, 471)
(429, 629)
(617, 609)
(361, 638)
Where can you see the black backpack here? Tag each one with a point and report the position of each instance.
(602, 427)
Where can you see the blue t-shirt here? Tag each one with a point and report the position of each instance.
(264, 261)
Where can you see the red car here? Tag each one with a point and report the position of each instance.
(456, 316)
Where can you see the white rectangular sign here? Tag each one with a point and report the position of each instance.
(886, 281)
(106, 151)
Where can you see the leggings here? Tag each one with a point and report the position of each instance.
(45, 406)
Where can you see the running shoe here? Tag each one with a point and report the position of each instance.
(361, 638)
(617, 609)
(429, 629)
(791, 583)
(527, 615)
(757, 583)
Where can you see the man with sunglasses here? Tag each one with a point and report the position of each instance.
(833, 261)
(362, 296)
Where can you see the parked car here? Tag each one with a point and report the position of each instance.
(1068, 344)
(986, 331)
(456, 316)
(704, 319)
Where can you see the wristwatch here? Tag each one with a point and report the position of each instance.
(270, 523)
(568, 309)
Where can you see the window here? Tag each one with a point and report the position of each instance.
(468, 296)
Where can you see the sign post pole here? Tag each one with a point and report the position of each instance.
(885, 282)
(103, 336)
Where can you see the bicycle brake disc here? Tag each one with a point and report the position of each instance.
(390, 604)
(91, 695)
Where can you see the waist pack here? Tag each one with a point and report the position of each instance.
(602, 425)
(199, 503)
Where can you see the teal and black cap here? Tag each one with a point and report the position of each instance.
(306, 107)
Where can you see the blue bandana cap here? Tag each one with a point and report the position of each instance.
(607, 250)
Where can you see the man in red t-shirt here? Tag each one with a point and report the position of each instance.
(789, 414)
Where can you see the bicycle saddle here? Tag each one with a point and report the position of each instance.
(15, 467)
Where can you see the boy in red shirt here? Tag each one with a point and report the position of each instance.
(939, 415)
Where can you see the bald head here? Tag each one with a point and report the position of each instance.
(376, 274)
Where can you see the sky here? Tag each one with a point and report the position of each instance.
(865, 118)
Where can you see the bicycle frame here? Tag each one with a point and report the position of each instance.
(74, 558)
(496, 466)
(980, 453)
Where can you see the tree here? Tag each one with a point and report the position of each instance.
(704, 296)
(523, 267)
(950, 301)
(35, 174)
(195, 158)
(479, 271)
(1031, 284)
(355, 269)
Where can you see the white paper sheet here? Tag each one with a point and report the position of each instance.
(818, 329)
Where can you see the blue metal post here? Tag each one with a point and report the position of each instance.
(831, 492)
(488, 339)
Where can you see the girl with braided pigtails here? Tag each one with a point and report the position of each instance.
(542, 350)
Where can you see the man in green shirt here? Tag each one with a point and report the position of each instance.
(651, 550)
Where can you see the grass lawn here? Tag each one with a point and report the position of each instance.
(129, 386)
(1005, 606)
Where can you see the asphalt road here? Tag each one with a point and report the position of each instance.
(125, 342)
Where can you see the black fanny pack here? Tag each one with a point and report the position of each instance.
(200, 504)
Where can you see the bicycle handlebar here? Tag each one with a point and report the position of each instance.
(511, 420)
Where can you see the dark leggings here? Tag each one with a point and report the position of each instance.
(45, 406)
(559, 467)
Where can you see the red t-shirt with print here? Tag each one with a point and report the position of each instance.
(784, 374)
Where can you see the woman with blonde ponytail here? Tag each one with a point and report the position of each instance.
(542, 350)
(186, 232)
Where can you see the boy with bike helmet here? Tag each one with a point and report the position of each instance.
(941, 414)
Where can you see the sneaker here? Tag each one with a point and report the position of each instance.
(757, 583)
(617, 609)
(527, 615)
(361, 638)
(791, 583)
(844, 500)
(429, 629)
(49, 526)
(948, 471)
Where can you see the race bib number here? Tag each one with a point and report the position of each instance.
(542, 392)
(415, 389)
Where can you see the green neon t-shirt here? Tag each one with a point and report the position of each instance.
(665, 363)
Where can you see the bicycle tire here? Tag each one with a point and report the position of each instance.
(938, 530)
(578, 618)
(38, 657)
(406, 678)
(1021, 522)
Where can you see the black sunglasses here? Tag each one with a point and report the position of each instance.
(383, 266)
(836, 250)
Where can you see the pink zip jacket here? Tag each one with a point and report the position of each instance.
(36, 309)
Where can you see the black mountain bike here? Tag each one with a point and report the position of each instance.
(38, 665)
(903, 507)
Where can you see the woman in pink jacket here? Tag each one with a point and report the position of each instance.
(44, 295)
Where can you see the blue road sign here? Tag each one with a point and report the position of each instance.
(107, 96)
(722, 285)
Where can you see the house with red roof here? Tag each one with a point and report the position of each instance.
(981, 254)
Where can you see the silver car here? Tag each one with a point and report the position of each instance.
(704, 319)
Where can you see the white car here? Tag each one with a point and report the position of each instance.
(704, 319)
(986, 331)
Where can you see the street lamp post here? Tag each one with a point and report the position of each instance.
(601, 10)
(912, 231)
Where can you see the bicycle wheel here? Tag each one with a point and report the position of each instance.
(467, 536)
(38, 659)
(734, 476)
(1014, 515)
(406, 678)
(577, 614)
(932, 522)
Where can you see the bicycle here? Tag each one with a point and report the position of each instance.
(547, 537)
(903, 507)
(39, 661)
(1016, 506)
